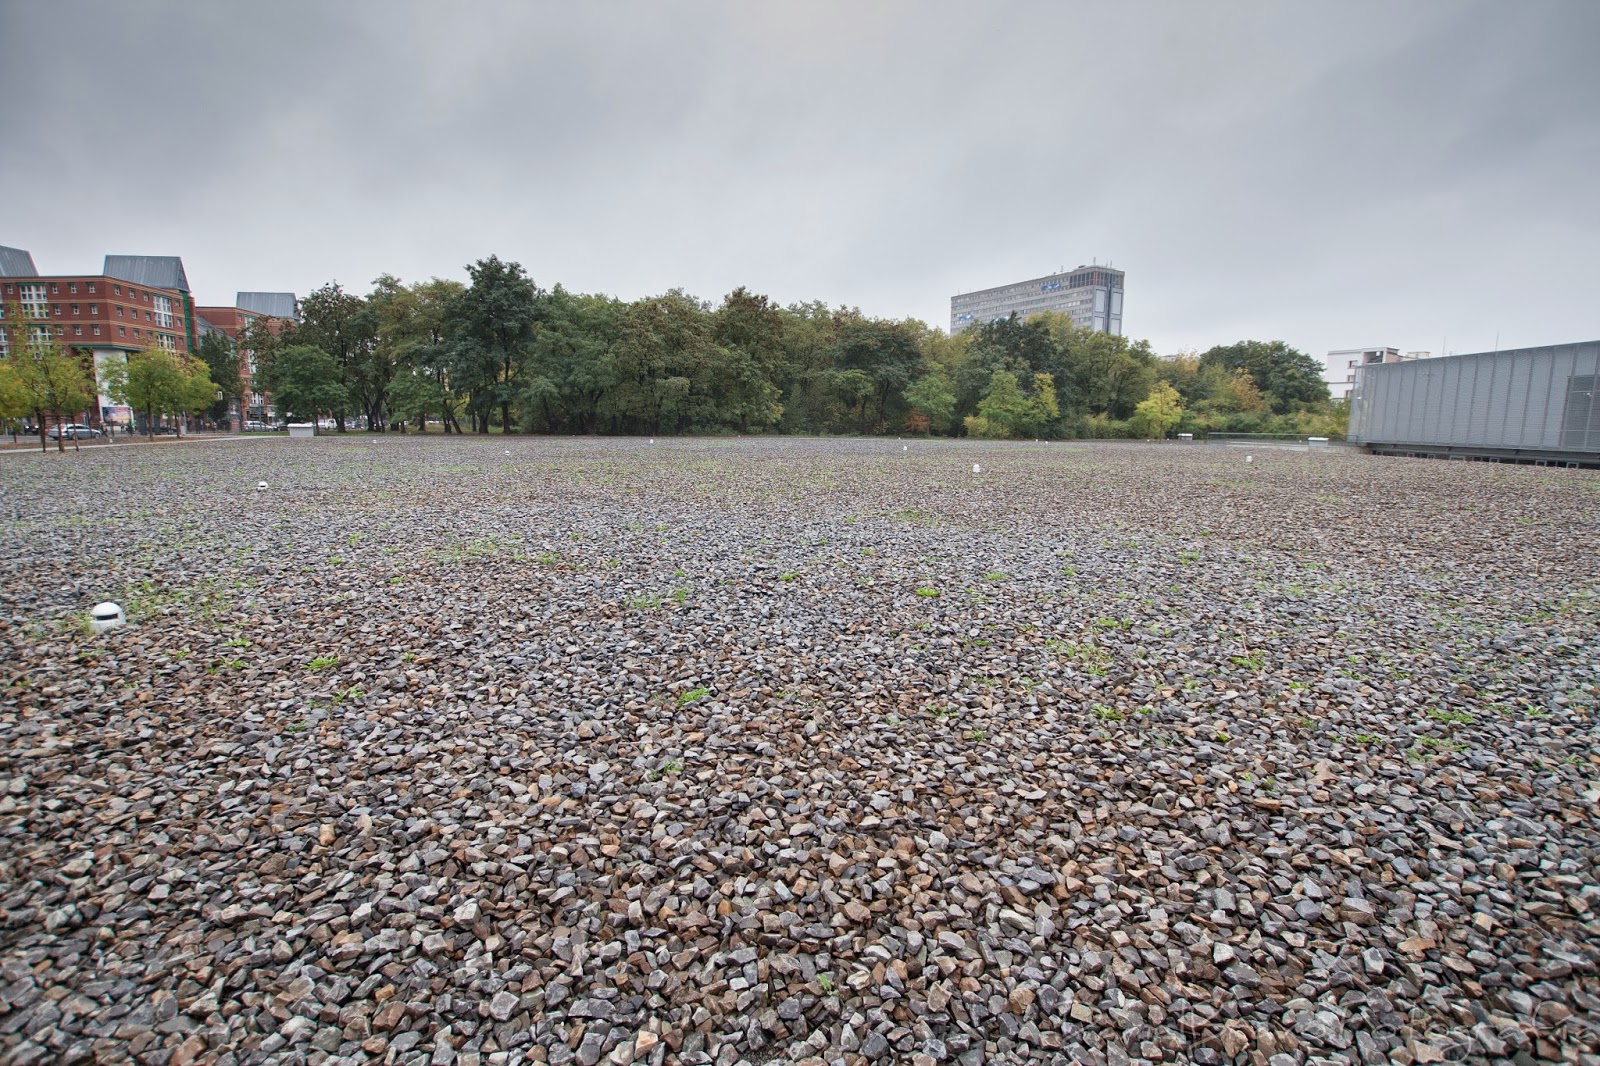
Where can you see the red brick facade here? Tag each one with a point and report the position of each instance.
(95, 311)
(87, 313)
(233, 321)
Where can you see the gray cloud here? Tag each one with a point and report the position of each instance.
(1333, 174)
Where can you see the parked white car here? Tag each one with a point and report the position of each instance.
(73, 431)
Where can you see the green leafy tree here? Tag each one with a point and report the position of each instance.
(19, 396)
(1237, 392)
(414, 336)
(1182, 372)
(494, 323)
(741, 395)
(749, 377)
(1021, 347)
(43, 377)
(65, 388)
(1007, 411)
(43, 380)
(1043, 408)
(933, 399)
(1004, 409)
(221, 357)
(943, 353)
(16, 402)
(888, 354)
(810, 402)
(569, 373)
(259, 342)
(854, 389)
(660, 366)
(346, 327)
(157, 381)
(304, 381)
(752, 324)
(1290, 379)
(1158, 413)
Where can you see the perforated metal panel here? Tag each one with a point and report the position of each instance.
(1580, 422)
(1526, 398)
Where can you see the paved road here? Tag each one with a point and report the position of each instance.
(6, 448)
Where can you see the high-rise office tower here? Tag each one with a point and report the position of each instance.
(1092, 295)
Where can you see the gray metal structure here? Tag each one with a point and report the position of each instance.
(156, 271)
(271, 304)
(16, 263)
(1539, 405)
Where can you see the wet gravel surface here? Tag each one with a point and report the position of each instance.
(488, 751)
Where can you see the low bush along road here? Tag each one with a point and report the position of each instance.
(520, 750)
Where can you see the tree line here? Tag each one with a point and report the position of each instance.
(499, 353)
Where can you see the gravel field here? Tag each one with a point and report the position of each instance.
(716, 751)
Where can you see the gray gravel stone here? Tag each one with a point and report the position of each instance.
(724, 750)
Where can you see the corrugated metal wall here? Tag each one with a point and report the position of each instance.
(1526, 398)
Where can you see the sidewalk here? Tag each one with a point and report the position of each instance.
(25, 445)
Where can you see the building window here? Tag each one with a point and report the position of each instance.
(94, 309)
(91, 286)
(77, 330)
(122, 331)
(33, 302)
(57, 309)
(135, 332)
(96, 328)
(165, 341)
(118, 289)
(75, 311)
(40, 334)
(55, 289)
(119, 310)
(163, 312)
(72, 286)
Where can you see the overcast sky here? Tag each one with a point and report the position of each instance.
(1332, 174)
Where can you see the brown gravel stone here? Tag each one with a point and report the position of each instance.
(723, 751)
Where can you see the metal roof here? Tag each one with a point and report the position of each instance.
(156, 271)
(271, 304)
(202, 327)
(16, 263)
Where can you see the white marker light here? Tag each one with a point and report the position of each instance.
(104, 616)
(976, 469)
(261, 486)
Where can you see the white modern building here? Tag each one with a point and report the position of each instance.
(1339, 369)
(1092, 295)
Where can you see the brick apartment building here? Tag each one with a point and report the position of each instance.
(135, 302)
(271, 308)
